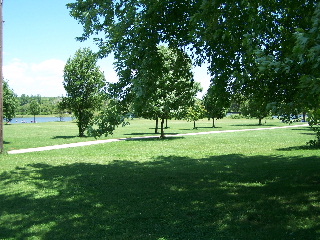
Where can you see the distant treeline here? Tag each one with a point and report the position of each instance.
(48, 105)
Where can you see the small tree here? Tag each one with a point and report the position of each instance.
(111, 116)
(10, 102)
(214, 106)
(34, 109)
(84, 84)
(255, 109)
(195, 112)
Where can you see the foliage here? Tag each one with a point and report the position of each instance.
(235, 116)
(255, 109)
(214, 105)
(307, 53)
(255, 59)
(163, 88)
(314, 122)
(195, 112)
(10, 102)
(48, 105)
(108, 119)
(84, 84)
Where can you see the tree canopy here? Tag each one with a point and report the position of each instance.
(85, 86)
(249, 45)
(162, 87)
(10, 102)
(34, 109)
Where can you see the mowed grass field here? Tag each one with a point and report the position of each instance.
(231, 185)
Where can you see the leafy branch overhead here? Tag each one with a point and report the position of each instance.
(270, 46)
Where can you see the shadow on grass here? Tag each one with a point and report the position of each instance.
(298, 148)
(188, 129)
(66, 137)
(210, 127)
(156, 138)
(149, 134)
(219, 197)
(254, 125)
(305, 131)
(139, 134)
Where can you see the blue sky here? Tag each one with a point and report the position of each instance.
(39, 37)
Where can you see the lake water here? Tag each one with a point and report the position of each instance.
(40, 119)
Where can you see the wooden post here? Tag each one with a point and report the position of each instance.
(1, 78)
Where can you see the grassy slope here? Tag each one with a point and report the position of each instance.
(245, 185)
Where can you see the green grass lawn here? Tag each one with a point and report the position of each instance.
(241, 185)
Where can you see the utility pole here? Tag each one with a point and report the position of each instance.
(1, 79)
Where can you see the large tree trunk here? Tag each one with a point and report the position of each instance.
(81, 130)
(213, 125)
(157, 125)
(166, 123)
(81, 126)
(194, 125)
(260, 119)
(162, 128)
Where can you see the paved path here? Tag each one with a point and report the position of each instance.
(80, 144)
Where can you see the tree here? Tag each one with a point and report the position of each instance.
(10, 102)
(84, 84)
(254, 109)
(236, 52)
(307, 53)
(111, 116)
(195, 112)
(215, 108)
(161, 89)
(34, 109)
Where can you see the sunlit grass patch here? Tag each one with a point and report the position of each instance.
(243, 185)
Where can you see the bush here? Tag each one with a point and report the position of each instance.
(314, 123)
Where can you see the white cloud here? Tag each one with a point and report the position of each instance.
(107, 68)
(201, 76)
(51, 67)
(44, 78)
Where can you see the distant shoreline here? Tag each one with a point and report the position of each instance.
(41, 116)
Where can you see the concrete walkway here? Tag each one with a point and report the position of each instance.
(81, 144)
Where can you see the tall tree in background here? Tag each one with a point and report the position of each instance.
(34, 109)
(84, 84)
(163, 86)
(214, 105)
(10, 102)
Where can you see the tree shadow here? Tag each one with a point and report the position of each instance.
(254, 125)
(139, 134)
(171, 197)
(155, 138)
(188, 129)
(305, 131)
(298, 148)
(210, 127)
(65, 137)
